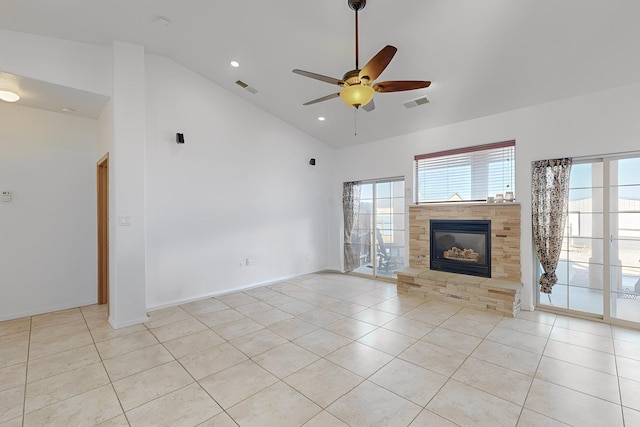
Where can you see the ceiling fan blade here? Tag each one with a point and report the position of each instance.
(378, 63)
(326, 79)
(400, 85)
(370, 106)
(324, 98)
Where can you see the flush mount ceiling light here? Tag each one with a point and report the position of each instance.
(358, 87)
(234, 64)
(9, 96)
(162, 21)
(321, 119)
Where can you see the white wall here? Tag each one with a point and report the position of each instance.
(239, 187)
(78, 65)
(600, 123)
(48, 232)
(126, 183)
(105, 123)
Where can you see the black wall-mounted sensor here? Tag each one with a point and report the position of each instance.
(180, 138)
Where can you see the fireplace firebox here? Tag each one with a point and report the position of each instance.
(461, 246)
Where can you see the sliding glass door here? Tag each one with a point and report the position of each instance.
(599, 268)
(624, 240)
(380, 228)
(580, 284)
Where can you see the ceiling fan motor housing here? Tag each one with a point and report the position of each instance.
(351, 78)
(357, 4)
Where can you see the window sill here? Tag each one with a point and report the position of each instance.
(465, 204)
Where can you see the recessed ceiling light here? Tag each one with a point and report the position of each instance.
(9, 96)
(235, 64)
(321, 118)
(162, 21)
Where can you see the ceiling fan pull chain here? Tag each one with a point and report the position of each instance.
(355, 122)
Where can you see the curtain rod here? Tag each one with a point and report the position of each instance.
(600, 156)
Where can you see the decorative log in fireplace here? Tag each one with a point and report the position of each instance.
(467, 255)
(461, 246)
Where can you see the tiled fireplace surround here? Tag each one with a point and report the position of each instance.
(501, 292)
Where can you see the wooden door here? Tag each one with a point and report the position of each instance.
(103, 229)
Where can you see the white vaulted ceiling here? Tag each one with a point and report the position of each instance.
(483, 57)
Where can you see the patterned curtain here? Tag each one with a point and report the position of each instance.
(549, 199)
(351, 208)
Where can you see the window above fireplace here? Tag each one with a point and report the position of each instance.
(466, 174)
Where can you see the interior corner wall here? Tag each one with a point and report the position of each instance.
(239, 190)
(598, 123)
(48, 230)
(127, 269)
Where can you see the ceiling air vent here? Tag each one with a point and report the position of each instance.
(415, 102)
(246, 87)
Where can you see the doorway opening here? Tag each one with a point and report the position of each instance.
(102, 180)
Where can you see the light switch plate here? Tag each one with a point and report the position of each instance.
(5, 196)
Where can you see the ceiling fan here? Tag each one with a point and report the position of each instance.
(358, 88)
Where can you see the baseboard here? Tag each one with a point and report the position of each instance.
(330, 270)
(231, 290)
(38, 311)
(116, 325)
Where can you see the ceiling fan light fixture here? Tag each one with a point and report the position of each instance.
(9, 96)
(358, 84)
(357, 95)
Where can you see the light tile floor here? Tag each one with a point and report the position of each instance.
(320, 350)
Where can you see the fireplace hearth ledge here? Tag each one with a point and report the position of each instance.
(501, 296)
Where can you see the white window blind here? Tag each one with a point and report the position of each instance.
(465, 174)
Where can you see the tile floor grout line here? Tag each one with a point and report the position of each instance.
(113, 389)
(535, 372)
(224, 410)
(26, 371)
(450, 378)
(615, 361)
(364, 379)
(564, 386)
(195, 381)
(59, 373)
(107, 372)
(322, 358)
